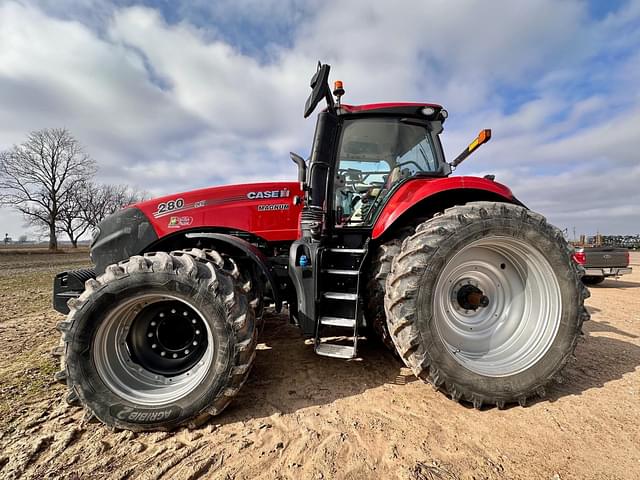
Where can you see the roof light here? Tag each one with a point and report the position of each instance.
(444, 114)
(428, 111)
(338, 91)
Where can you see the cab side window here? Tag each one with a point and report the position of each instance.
(375, 154)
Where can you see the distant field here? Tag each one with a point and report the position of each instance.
(29, 249)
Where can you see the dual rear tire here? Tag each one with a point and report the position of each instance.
(485, 302)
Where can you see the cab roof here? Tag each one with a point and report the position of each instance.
(395, 108)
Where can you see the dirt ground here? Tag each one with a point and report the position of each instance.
(303, 416)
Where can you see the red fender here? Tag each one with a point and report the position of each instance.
(416, 190)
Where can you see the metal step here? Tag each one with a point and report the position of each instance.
(338, 322)
(347, 250)
(335, 351)
(336, 271)
(340, 296)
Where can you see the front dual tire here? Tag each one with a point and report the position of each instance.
(485, 302)
(159, 341)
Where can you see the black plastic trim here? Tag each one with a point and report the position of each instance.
(67, 285)
(121, 235)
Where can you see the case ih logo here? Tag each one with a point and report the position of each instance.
(268, 194)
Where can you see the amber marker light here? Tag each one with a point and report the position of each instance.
(483, 137)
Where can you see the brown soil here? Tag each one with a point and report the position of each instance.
(303, 416)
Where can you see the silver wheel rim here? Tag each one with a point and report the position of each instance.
(130, 380)
(519, 324)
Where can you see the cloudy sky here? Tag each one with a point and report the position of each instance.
(174, 95)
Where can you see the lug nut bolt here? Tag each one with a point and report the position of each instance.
(186, 352)
(195, 343)
(153, 324)
(161, 315)
(193, 320)
(185, 313)
(175, 355)
(162, 354)
(149, 334)
(154, 346)
(173, 310)
(197, 332)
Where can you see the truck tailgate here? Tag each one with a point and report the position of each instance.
(606, 257)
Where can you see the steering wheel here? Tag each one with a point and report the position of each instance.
(352, 175)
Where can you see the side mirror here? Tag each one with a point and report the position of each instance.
(320, 89)
(302, 168)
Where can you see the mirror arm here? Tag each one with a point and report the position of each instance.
(302, 169)
(331, 106)
(483, 137)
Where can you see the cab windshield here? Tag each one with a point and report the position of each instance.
(376, 154)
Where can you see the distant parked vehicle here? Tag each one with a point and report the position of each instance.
(602, 262)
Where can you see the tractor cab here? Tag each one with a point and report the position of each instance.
(376, 153)
(360, 156)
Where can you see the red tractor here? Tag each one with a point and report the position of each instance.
(477, 294)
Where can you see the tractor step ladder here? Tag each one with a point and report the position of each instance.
(339, 304)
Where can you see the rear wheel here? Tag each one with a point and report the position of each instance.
(159, 341)
(485, 302)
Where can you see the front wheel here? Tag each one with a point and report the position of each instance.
(158, 341)
(485, 302)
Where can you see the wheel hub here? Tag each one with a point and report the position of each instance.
(167, 338)
(130, 366)
(470, 297)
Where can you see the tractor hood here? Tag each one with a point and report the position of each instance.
(266, 210)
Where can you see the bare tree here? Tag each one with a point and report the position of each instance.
(72, 221)
(92, 202)
(39, 177)
(101, 200)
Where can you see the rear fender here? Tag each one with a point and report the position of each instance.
(422, 197)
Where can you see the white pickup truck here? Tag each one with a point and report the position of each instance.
(602, 262)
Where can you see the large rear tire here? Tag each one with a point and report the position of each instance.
(485, 302)
(159, 341)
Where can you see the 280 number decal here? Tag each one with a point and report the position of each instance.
(170, 206)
